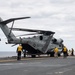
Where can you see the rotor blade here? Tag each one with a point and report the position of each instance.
(28, 30)
(12, 19)
(13, 45)
(32, 30)
(27, 34)
(48, 42)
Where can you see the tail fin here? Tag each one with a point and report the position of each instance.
(6, 31)
(5, 28)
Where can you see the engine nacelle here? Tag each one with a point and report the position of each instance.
(57, 41)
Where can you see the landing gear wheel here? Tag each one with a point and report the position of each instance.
(59, 55)
(52, 54)
(33, 56)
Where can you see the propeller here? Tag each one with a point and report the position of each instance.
(12, 19)
(32, 30)
(27, 34)
(13, 45)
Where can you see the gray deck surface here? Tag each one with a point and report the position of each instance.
(39, 66)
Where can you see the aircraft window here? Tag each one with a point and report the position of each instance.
(41, 37)
(54, 40)
(59, 45)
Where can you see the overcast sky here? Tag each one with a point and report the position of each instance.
(53, 15)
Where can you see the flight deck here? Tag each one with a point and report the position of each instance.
(38, 66)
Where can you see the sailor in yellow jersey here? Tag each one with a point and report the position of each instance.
(65, 51)
(72, 53)
(56, 52)
(19, 50)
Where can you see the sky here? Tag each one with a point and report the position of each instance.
(54, 15)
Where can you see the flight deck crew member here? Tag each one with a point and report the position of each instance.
(65, 51)
(56, 52)
(24, 53)
(19, 50)
(69, 52)
(72, 52)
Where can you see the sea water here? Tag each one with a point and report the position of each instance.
(7, 54)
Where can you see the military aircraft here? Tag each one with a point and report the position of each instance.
(43, 43)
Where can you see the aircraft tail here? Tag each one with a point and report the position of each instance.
(6, 30)
(10, 36)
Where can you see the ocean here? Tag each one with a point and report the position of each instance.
(7, 54)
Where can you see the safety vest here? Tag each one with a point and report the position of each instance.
(65, 49)
(56, 50)
(19, 48)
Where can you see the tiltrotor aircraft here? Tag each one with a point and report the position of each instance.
(36, 45)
